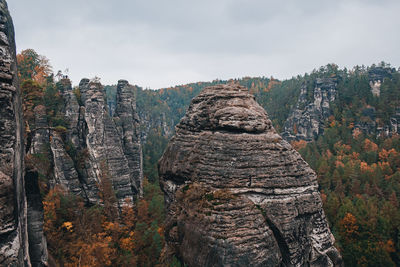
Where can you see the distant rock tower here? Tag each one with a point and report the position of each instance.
(376, 76)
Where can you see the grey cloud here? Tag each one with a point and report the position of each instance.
(160, 43)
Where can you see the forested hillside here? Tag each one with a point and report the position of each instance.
(356, 155)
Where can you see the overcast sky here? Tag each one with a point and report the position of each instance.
(161, 43)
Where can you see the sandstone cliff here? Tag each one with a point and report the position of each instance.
(236, 193)
(306, 121)
(376, 75)
(92, 145)
(13, 207)
(127, 122)
(104, 145)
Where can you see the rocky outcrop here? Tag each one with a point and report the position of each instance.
(236, 193)
(367, 124)
(376, 75)
(40, 136)
(14, 249)
(306, 120)
(73, 114)
(127, 121)
(93, 145)
(65, 173)
(104, 146)
(394, 126)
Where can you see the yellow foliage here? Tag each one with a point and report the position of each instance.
(68, 226)
(349, 222)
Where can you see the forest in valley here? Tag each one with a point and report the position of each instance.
(358, 168)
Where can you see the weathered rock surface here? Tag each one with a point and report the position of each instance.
(104, 146)
(65, 173)
(127, 121)
(40, 136)
(38, 147)
(236, 193)
(306, 121)
(13, 214)
(37, 240)
(73, 112)
(367, 124)
(376, 75)
(93, 144)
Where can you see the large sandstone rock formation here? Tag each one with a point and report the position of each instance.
(13, 214)
(93, 145)
(237, 194)
(104, 145)
(127, 122)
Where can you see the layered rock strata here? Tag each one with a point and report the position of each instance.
(127, 121)
(40, 135)
(64, 170)
(37, 240)
(306, 120)
(14, 248)
(104, 146)
(94, 145)
(236, 193)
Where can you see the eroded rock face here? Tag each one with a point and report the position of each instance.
(104, 146)
(92, 144)
(127, 122)
(236, 193)
(72, 112)
(376, 75)
(306, 120)
(13, 215)
(40, 136)
(65, 173)
(37, 240)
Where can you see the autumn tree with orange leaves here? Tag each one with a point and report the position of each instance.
(100, 235)
(32, 66)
